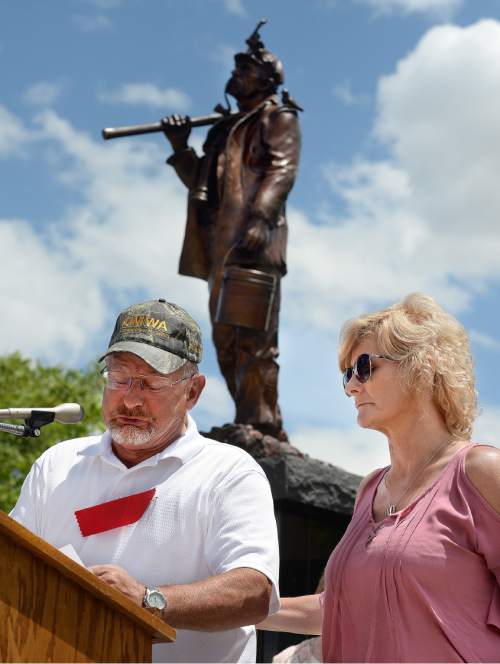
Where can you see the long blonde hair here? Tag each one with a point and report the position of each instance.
(432, 349)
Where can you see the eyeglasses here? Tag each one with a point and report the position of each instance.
(116, 380)
(362, 368)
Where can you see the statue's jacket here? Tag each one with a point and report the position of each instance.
(248, 167)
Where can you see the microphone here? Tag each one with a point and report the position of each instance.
(67, 413)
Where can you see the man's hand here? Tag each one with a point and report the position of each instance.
(256, 235)
(177, 129)
(119, 578)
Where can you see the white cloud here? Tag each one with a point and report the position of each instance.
(215, 404)
(356, 450)
(484, 340)
(147, 94)
(43, 93)
(487, 426)
(122, 239)
(439, 113)
(105, 5)
(97, 19)
(344, 92)
(442, 8)
(235, 7)
(53, 313)
(13, 134)
(426, 217)
(92, 22)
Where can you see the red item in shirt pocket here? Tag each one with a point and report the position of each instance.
(114, 513)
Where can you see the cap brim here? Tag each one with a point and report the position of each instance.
(160, 360)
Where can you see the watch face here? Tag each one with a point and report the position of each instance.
(156, 600)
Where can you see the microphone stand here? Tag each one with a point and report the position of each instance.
(31, 427)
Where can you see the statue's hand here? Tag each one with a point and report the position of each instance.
(256, 235)
(177, 129)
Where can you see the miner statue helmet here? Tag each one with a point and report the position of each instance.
(257, 54)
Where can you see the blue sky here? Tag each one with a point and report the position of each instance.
(397, 191)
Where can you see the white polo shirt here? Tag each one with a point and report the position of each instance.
(212, 512)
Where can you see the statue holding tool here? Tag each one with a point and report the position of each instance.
(236, 232)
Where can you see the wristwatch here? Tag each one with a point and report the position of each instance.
(154, 600)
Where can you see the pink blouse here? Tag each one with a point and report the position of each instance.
(422, 585)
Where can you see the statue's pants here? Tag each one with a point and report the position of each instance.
(247, 360)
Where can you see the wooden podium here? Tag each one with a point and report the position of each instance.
(54, 610)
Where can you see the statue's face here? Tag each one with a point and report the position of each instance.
(245, 81)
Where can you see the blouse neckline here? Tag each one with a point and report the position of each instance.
(405, 510)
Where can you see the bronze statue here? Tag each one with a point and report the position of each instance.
(236, 231)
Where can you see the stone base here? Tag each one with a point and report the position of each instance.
(253, 441)
(311, 482)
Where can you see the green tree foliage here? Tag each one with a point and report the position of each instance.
(24, 383)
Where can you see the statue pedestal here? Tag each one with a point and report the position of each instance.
(313, 503)
(253, 441)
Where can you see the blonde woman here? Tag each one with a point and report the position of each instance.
(416, 577)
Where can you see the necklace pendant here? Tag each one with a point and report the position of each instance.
(391, 509)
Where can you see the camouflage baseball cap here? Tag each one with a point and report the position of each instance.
(160, 333)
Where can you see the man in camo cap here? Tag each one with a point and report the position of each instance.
(183, 525)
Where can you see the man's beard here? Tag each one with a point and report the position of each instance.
(128, 434)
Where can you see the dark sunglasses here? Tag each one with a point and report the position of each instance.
(362, 368)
